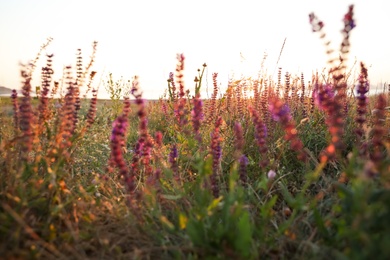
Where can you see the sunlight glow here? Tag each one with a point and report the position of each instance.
(143, 37)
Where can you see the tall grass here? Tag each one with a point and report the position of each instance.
(275, 170)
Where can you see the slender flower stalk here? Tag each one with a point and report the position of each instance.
(173, 160)
(27, 118)
(281, 113)
(287, 97)
(180, 104)
(91, 115)
(15, 105)
(144, 144)
(216, 152)
(260, 135)
(362, 90)
(172, 88)
(256, 94)
(378, 131)
(211, 113)
(43, 107)
(197, 116)
(302, 97)
(118, 135)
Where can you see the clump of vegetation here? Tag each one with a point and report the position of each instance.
(268, 170)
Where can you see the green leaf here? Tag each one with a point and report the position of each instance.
(243, 240)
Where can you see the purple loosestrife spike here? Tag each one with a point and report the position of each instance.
(173, 157)
(92, 109)
(302, 98)
(281, 113)
(216, 152)
(212, 103)
(144, 140)
(27, 118)
(362, 90)
(197, 116)
(118, 135)
(180, 105)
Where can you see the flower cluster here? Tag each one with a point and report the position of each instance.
(92, 109)
(173, 157)
(180, 109)
(44, 100)
(145, 144)
(118, 135)
(211, 112)
(27, 118)
(362, 90)
(281, 112)
(197, 116)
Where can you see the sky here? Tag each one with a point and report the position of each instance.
(143, 37)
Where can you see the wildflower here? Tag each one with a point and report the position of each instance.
(27, 118)
(360, 119)
(180, 110)
(212, 103)
(271, 174)
(92, 109)
(173, 156)
(144, 144)
(216, 152)
(281, 113)
(118, 134)
(197, 116)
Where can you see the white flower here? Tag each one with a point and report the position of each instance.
(271, 174)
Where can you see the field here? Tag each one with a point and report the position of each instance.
(285, 169)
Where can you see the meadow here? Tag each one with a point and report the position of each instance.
(284, 169)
